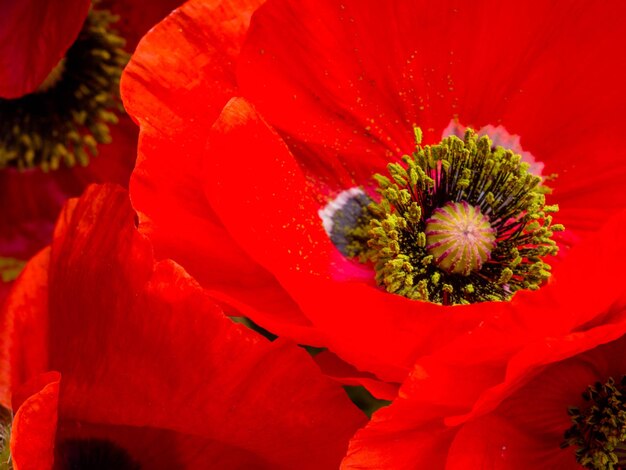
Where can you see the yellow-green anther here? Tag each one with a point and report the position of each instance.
(417, 132)
(490, 244)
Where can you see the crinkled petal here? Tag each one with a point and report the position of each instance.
(156, 351)
(34, 426)
(175, 96)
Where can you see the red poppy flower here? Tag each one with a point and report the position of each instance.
(499, 399)
(326, 94)
(523, 422)
(106, 353)
(34, 39)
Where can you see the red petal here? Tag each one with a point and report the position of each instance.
(588, 285)
(192, 76)
(493, 442)
(156, 351)
(529, 361)
(174, 212)
(387, 442)
(326, 81)
(34, 36)
(528, 427)
(25, 311)
(34, 426)
(530, 404)
(563, 117)
(411, 433)
(261, 195)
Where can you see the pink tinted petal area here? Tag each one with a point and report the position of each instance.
(32, 201)
(157, 352)
(35, 423)
(175, 96)
(34, 36)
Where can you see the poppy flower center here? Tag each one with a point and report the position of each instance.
(92, 454)
(599, 428)
(458, 222)
(459, 237)
(65, 119)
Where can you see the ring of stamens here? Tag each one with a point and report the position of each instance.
(510, 223)
(599, 428)
(68, 116)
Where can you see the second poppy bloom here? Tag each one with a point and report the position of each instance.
(62, 125)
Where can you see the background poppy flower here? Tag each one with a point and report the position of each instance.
(33, 39)
(519, 423)
(498, 398)
(329, 93)
(145, 366)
